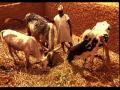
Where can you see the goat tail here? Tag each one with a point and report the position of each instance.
(3, 42)
(2, 39)
(1, 36)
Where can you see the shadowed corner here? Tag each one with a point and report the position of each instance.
(76, 69)
(36, 69)
(101, 74)
(55, 60)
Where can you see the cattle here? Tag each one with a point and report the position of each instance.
(38, 27)
(19, 42)
(92, 40)
(42, 29)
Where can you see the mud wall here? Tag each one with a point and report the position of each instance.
(86, 15)
(83, 15)
(19, 10)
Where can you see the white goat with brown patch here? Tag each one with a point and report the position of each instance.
(92, 40)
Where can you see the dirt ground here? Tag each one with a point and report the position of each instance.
(60, 75)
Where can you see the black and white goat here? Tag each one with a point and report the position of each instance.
(92, 40)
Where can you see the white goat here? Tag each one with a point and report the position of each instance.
(20, 42)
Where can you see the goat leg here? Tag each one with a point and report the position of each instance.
(17, 55)
(107, 61)
(27, 64)
(84, 62)
(12, 55)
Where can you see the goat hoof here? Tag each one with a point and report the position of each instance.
(46, 69)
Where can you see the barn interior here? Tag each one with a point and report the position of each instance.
(83, 15)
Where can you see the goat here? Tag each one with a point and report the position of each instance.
(92, 40)
(43, 29)
(20, 42)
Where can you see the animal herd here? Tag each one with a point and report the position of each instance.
(40, 41)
